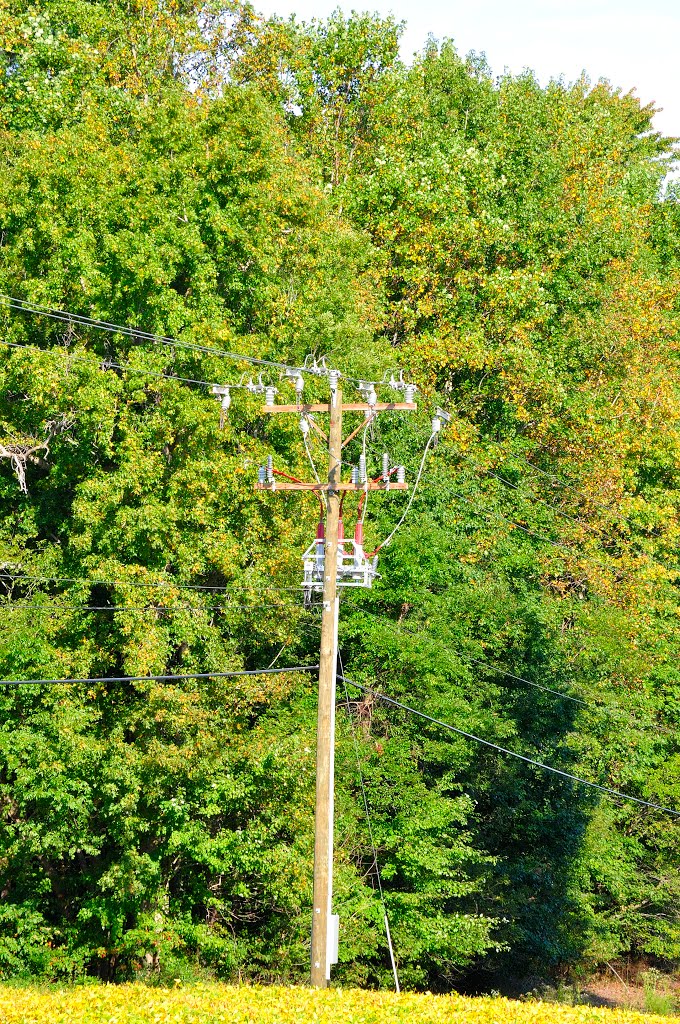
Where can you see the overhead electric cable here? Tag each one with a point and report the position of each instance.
(578, 522)
(568, 486)
(612, 708)
(310, 459)
(511, 753)
(64, 316)
(486, 513)
(497, 668)
(567, 483)
(370, 832)
(522, 679)
(567, 548)
(388, 539)
(256, 586)
(541, 501)
(159, 678)
(72, 605)
(564, 515)
(107, 364)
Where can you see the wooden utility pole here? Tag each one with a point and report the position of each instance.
(324, 923)
(325, 730)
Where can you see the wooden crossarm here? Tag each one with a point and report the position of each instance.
(347, 407)
(373, 485)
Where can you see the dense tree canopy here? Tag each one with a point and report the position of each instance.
(274, 189)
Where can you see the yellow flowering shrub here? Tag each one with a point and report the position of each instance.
(225, 1004)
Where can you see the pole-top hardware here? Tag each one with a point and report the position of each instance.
(399, 384)
(257, 387)
(367, 391)
(222, 392)
(270, 393)
(223, 395)
(297, 380)
(314, 365)
(440, 417)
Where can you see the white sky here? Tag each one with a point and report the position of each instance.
(633, 45)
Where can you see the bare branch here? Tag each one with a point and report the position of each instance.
(20, 455)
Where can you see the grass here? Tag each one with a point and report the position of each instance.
(658, 999)
(225, 1004)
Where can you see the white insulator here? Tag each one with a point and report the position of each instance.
(269, 395)
(262, 475)
(401, 474)
(226, 400)
(270, 469)
(410, 392)
(333, 379)
(304, 425)
(371, 396)
(362, 469)
(386, 467)
(355, 475)
(299, 384)
(436, 424)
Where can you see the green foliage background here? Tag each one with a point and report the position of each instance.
(276, 189)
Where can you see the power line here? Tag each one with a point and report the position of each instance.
(564, 515)
(537, 686)
(566, 696)
(64, 316)
(511, 753)
(586, 526)
(388, 539)
(73, 606)
(159, 678)
(570, 548)
(6, 576)
(522, 679)
(567, 485)
(486, 513)
(107, 364)
(541, 501)
(567, 548)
